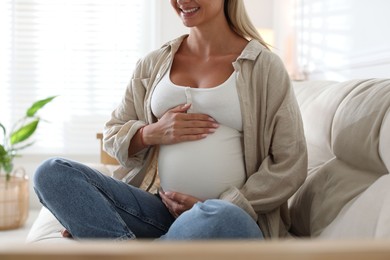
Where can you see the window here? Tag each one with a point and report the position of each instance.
(84, 51)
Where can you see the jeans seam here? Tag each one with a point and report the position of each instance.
(127, 209)
(128, 234)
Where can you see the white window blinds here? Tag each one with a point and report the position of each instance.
(84, 51)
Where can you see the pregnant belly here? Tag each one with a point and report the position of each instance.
(204, 168)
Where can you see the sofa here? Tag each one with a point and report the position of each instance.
(346, 194)
(347, 127)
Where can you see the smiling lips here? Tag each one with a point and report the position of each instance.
(187, 12)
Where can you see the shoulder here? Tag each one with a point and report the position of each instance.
(265, 68)
(259, 56)
(153, 58)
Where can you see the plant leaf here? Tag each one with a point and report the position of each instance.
(2, 152)
(4, 131)
(24, 132)
(8, 166)
(6, 161)
(15, 149)
(38, 105)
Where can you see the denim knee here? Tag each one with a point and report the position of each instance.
(48, 175)
(214, 219)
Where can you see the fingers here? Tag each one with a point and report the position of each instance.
(178, 126)
(183, 125)
(195, 119)
(177, 197)
(181, 112)
(181, 108)
(191, 123)
(177, 203)
(173, 206)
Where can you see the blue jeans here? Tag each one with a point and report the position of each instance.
(91, 205)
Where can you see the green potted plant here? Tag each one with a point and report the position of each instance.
(14, 182)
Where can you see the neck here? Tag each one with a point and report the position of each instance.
(212, 40)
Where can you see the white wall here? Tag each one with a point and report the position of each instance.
(169, 25)
(260, 12)
(344, 39)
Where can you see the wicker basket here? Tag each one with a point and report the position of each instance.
(14, 200)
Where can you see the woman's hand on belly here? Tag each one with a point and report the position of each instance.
(177, 126)
(176, 202)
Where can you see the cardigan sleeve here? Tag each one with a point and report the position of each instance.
(132, 113)
(125, 121)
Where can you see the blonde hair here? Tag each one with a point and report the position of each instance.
(239, 21)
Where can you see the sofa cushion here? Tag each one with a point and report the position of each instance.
(368, 215)
(318, 102)
(357, 125)
(324, 194)
(46, 228)
(351, 137)
(384, 140)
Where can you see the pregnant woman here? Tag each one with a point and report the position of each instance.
(213, 116)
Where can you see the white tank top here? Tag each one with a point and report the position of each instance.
(207, 167)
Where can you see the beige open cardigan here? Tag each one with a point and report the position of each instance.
(274, 144)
